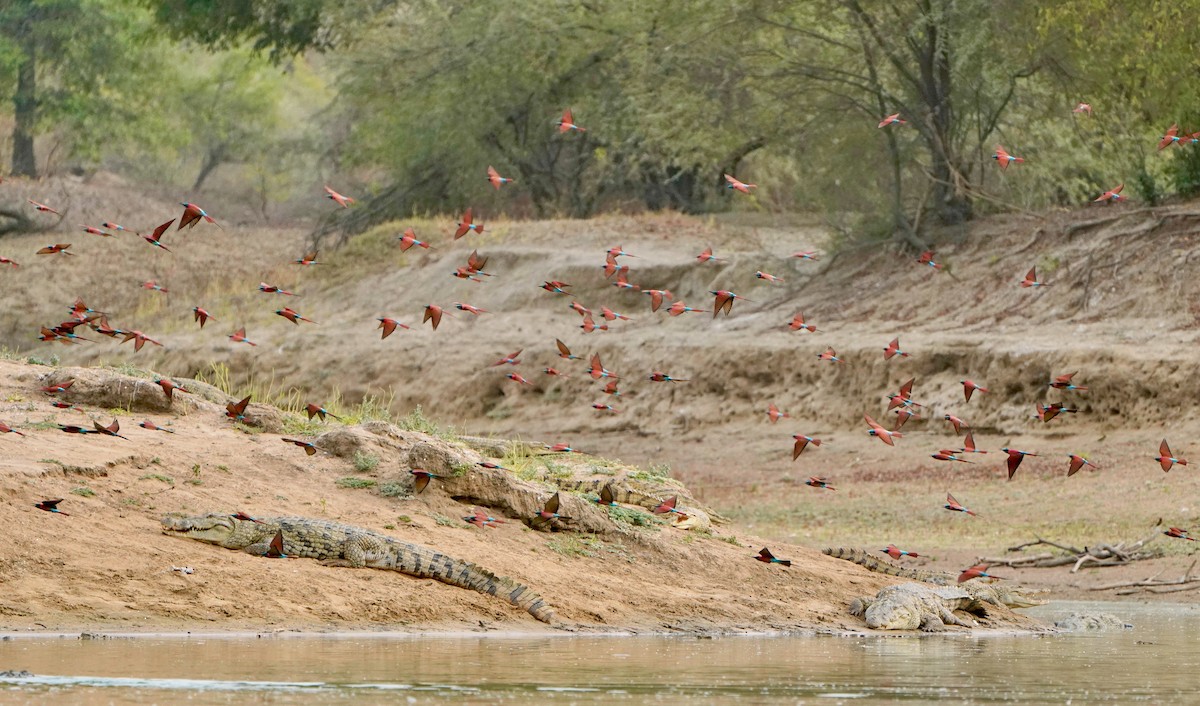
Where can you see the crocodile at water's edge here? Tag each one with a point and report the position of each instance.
(337, 544)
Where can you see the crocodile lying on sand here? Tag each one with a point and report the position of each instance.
(337, 544)
(911, 606)
(631, 491)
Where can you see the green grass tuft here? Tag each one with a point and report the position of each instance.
(354, 483)
(365, 462)
(83, 491)
(394, 490)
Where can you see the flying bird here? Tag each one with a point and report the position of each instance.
(433, 314)
(896, 553)
(316, 410)
(953, 505)
(310, 258)
(1015, 457)
(237, 410)
(201, 315)
(976, 572)
(1165, 459)
(147, 424)
(1083, 108)
(884, 435)
(831, 356)
(308, 446)
(893, 349)
(343, 201)
(1113, 194)
(157, 235)
(767, 276)
(724, 301)
(893, 119)
(810, 255)
(818, 482)
(409, 239)
(466, 225)
(732, 183)
(948, 455)
(969, 445)
(1063, 382)
(802, 443)
(1003, 158)
(139, 339)
(775, 415)
(51, 506)
(766, 557)
(1031, 279)
(92, 230)
(389, 325)
(110, 430)
(497, 180)
(8, 261)
(469, 309)
(706, 255)
(169, 387)
(6, 429)
(272, 289)
(1171, 137)
(275, 549)
(192, 214)
(956, 422)
(799, 325)
(657, 376)
(517, 378)
(292, 315)
(969, 389)
(239, 336)
(155, 286)
(421, 479)
(55, 249)
(510, 359)
(43, 207)
(1078, 462)
(657, 296)
(116, 227)
(564, 352)
(926, 258)
(680, 308)
(567, 123)
(549, 512)
(1178, 533)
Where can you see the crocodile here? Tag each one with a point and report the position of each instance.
(912, 606)
(994, 593)
(337, 544)
(631, 491)
(928, 605)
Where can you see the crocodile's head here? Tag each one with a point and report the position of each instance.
(1019, 597)
(893, 616)
(214, 529)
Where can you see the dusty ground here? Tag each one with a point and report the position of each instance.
(1121, 310)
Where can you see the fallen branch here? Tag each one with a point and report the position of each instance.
(1183, 583)
(1048, 543)
(1102, 554)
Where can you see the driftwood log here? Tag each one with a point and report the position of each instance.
(1187, 582)
(1103, 554)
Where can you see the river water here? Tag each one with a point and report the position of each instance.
(1155, 662)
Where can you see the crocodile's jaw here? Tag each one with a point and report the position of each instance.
(898, 618)
(213, 529)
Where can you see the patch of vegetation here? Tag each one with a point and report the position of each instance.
(459, 470)
(53, 462)
(389, 527)
(417, 421)
(220, 467)
(156, 461)
(392, 489)
(126, 369)
(732, 540)
(365, 462)
(297, 425)
(443, 521)
(571, 545)
(131, 502)
(602, 470)
(556, 470)
(83, 491)
(35, 359)
(405, 519)
(354, 483)
(246, 428)
(371, 409)
(158, 477)
(44, 425)
(630, 518)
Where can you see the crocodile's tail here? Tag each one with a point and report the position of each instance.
(428, 563)
(879, 566)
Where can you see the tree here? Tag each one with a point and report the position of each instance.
(67, 62)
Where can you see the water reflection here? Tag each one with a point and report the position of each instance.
(1151, 663)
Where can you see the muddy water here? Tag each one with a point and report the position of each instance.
(1154, 662)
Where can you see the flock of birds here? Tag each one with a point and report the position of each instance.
(901, 402)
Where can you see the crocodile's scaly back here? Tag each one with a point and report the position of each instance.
(880, 566)
(357, 547)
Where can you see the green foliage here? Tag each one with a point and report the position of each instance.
(354, 483)
(158, 477)
(83, 491)
(395, 490)
(365, 462)
(634, 518)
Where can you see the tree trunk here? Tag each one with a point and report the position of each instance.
(24, 161)
(212, 160)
